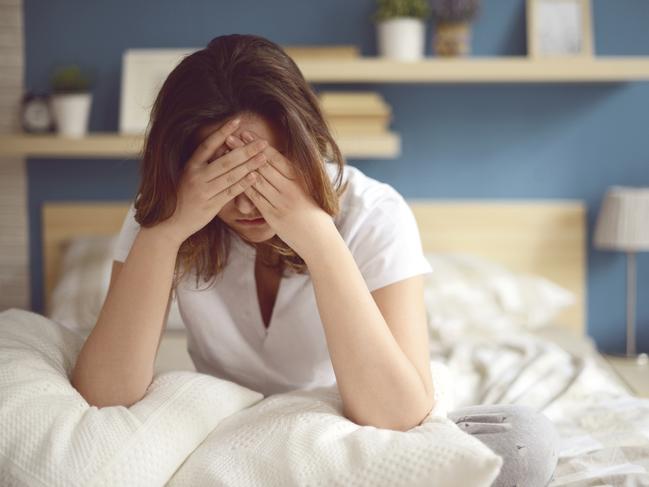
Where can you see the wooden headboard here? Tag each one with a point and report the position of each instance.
(542, 237)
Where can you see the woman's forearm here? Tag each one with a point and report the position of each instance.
(115, 364)
(378, 384)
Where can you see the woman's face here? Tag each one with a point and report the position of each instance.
(241, 207)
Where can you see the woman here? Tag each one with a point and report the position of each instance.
(314, 271)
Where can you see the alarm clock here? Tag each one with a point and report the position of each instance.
(36, 114)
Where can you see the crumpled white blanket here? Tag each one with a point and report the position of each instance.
(300, 438)
(52, 436)
(604, 430)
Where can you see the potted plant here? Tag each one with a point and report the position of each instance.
(453, 26)
(401, 28)
(71, 100)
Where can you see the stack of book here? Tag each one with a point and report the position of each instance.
(355, 112)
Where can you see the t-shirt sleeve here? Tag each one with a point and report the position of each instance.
(386, 244)
(126, 236)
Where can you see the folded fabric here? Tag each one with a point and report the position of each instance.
(51, 436)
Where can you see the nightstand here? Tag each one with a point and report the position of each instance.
(636, 377)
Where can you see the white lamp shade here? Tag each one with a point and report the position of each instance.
(623, 220)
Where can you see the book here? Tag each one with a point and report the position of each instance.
(359, 124)
(323, 52)
(353, 103)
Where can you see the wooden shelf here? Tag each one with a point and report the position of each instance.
(501, 69)
(111, 145)
(519, 69)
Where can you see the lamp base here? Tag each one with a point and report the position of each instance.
(638, 358)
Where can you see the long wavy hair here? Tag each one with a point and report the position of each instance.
(234, 74)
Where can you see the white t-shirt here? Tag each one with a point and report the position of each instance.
(226, 334)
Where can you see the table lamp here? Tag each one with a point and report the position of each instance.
(623, 225)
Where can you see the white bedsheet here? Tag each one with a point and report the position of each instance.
(604, 430)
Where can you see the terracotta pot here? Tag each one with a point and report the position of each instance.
(452, 39)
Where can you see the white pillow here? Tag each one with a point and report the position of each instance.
(467, 293)
(83, 284)
(52, 436)
(301, 438)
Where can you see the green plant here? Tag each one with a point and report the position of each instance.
(389, 9)
(70, 79)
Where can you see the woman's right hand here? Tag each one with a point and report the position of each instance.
(207, 184)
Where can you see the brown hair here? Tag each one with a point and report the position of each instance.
(234, 74)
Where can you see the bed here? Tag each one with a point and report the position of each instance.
(529, 257)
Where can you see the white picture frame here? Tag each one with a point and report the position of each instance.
(143, 73)
(559, 29)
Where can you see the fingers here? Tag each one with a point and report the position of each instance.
(209, 145)
(232, 141)
(266, 188)
(247, 136)
(240, 177)
(220, 199)
(259, 199)
(275, 157)
(278, 169)
(233, 159)
(233, 176)
(268, 180)
(272, 177)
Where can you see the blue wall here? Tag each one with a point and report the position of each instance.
(527, 141)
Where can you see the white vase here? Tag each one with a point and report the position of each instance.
(401, 38)
(71, 113)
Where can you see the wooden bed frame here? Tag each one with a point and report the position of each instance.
(542, 237)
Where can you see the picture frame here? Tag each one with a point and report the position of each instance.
(559, 29)
(143, 73)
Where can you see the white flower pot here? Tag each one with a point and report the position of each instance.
(401, 38)
(71, 113)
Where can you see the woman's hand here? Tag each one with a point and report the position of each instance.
(281, 195)
(208, 183)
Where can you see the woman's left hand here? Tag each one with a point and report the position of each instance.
(281, 195)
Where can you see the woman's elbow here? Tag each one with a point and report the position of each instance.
(103, 393)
